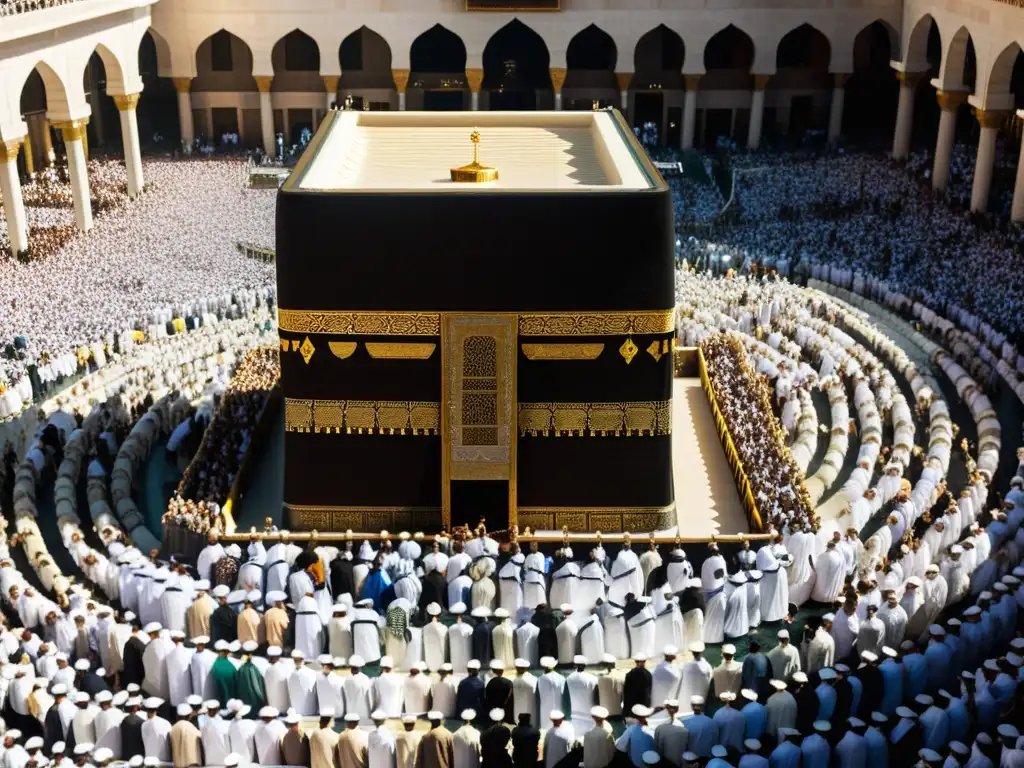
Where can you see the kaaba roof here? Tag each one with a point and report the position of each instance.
(415, 151)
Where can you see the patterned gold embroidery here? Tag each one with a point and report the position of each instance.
(596, 323)
(307, 350)
(597, 419)
(400, 351)
(654, 350)
(342, 349)
(628, 350)
(580, 519)
(284, 345)
(360, 323)
(562, 351)
(295, 345)
(362, 416)
(303, 517)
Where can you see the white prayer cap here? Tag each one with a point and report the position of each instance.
(58, 748)
(956, 549)
(719, 751)
(933, 568)
(672, 703)
(697, 647)
(829, 617)
(1006, 730)
(82, 665)
(727, 696)
(670, 650)
(639, 657)
(298, 655)
(59, 690)
(1000, 587)
(253, 596)
(783, 634)
(936, 630)
(497, 714)
(547, 662)
(408, 718)
(326, 658)
(81, 697)
(1014, 660)
(748, 694)
(176, 634)
(434, 609)
(696, 701)
(385, 661)
(203, 585)
(566, 608)
(639, 710)
(292, 718)
(14, 733)
(906, 712)
(250, 646)
(799, 677)
(752, 744)
(194, 701)
(890, 652)
(458, 609)
(841, 669)
(101, 672)
(822, 726)
(200, 640)
(34, 743)
(221, 590)
(983, 738)
(136, 760)
(153, 626)
(269, 712)
(579, 659)
(556, 714)
(729, 649)
(778, 685)
(232, 760)
(276, 596)
(355, 660)
(650, 757)
(467, 714)
(377, 714)
(501, 613)
(960, 748)
(447, 667)
(184, 710)
(153, 703)
(273, 650)
(472, 664)
(924, 700)
(153, 760)
(82, 749)
(914, 581)
(986, 595)
(991, 665)
(221, 645)
(338, 608)
(234, 646)
(599, 711)
(929, 755)
(609, 658)
(497, 664)
(103, 696)
(481, 612)
(522, 664)
(690, 757)
(827, 674)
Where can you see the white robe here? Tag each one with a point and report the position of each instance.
(156, 739)
(534, 581)
(242, 735)
(695, 681)
(737, 617)
(830, 574)
(591, 640)
(154, 661)
(302, 690)
(216, 740)
(510, 587)
(309, 629)
(714, 617)
(179, 675)
(329, 692)
(275, 681)
(524, 696)
(582, 697)
(366, 624)
(387, 693)
(200, 665)
(267, 740)
(359, 698)
(665, 681)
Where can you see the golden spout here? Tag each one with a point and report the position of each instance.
(474, 172)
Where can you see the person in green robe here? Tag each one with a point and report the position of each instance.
(224, 675)
(249, 684)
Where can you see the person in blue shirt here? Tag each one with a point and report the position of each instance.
(970, 636)
(957, 714)
(959, 754)
(815, 751)
(719, 755)
(703, 730)
(639, 737)
(934, 723)
(757, 671)
(826, 694)
(787, 754)
(986, 708)
(1005, 684)
(856, 687)
(915, 671)
(956, 655)
(876, 741)
(470, 693)
(754, 713)
(852, 749)
(937, 657)
(905, 738)
(892, 681)
(731, 723)
(753, 758)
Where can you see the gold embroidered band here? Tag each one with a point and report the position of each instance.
(596, 323)
(596, 419)
(363, 416)
(357, 518)
(562, 351)
(342, 349)
(401, 350)
(579, 519)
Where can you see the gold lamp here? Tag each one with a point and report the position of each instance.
(474, 173)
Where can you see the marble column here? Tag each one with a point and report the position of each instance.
(263, 83)
(183, 85)
(949, 101)
(49, 156)
(835, 111)
(475, 78)
(401, 77)
(756, 111)
(624, 79)
(126, 106)
(989, 120)
(29, 161)
(10, 188)
(72, 131)
(905, 113)
(557, 81)
(1017, 211)
(331, 87)
(690, 110)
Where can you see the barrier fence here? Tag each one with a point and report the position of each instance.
(257, 252)
(732, 456)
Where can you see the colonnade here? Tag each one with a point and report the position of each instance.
(73, 132)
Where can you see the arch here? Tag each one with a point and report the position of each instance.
(437, 50)
(222, 52)
(920, 41)
(590, 61)
(154, 54)
(875, 46)
(295, 52)
(729, 48)
(1000, 77)
(53, 97)
(516, 65)
(804, 48)
(658, 59)
(959, 64)
(365, 59)
(871, 91)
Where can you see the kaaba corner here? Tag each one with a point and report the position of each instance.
(476, 320)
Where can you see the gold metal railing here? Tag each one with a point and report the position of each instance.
(731, 454)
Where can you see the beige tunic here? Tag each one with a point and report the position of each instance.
(323, 744)
(352, 748)
(250, 627)
(437, 750)
(294, 748)
(406, 743)
(186, 744)
(275, 625)
(197, 617)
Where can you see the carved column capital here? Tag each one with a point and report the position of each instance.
(263, 83)
(401, 78)
(9, 150)
(331, 83)
(72, 130)
(558, 78)
(475, 78)
(623, 79)
(692, 82)
(910, 79)
(990, 118)
(950, 100)
(127, 102)
(182, 84)
(761, 82)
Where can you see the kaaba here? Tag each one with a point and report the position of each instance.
(476, 339)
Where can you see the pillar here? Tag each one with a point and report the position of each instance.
(401, 77)
(331, 87)
(48, 153)
(85, 139)
(475, 78)
(756, 112)
(94, 104)
(183, 85)
(266, 112)
(835, 112)
(29, 161)
(557, 81)
(690, 110)
(624, 79)
(1017, 211)
(949, 101)
(990, 120)
(72, 132)
(905, 114)
(126, 106)
(10, 188)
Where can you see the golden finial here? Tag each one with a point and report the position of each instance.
(474, 173)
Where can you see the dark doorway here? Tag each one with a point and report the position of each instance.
(473, 499)
(674, 127)
(442, 101)
(516, 67)
(801, 115)
(717, 123)
(649, 108)
(225, 120)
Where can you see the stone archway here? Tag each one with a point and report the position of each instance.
(728, 59)
(224, 63)
(802, 61)
(590, 70)
(516, 69)
(871, 90)
(657, 85)
(366, 74)
(437, 76)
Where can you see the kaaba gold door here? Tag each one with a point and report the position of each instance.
(478, 419)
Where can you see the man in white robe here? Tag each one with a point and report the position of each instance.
(668, 620)
(302, 686)
(242, 735)
(179, 670)
(678, 571)
(154, 661)
(666, 677)
(329, 685)
(728, 676)
(444, 691)
(559, 739)
(381, 748)
(435, 639)
(696, 676)
(550, 687)
(895, 619)
(366, 632)
(309, 629)
(593, 578)
(209, 557)
(416, 691)
(156, 732)
(534, 578)
(582, 686)
(821, 651)
(359, 691)
(626, 579)
(524, 691)
(216, 737)
(107, 723)
(83, 725)
(387, 689)
(267, 737)
(566, 633)
(830, 574)
(460, 639)
(510, 584)
(276, 573)
(200, 664)
(176, 599)
(737, 616)
(591, 640)
(275, 679)
(934, 591)
(250, 573)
